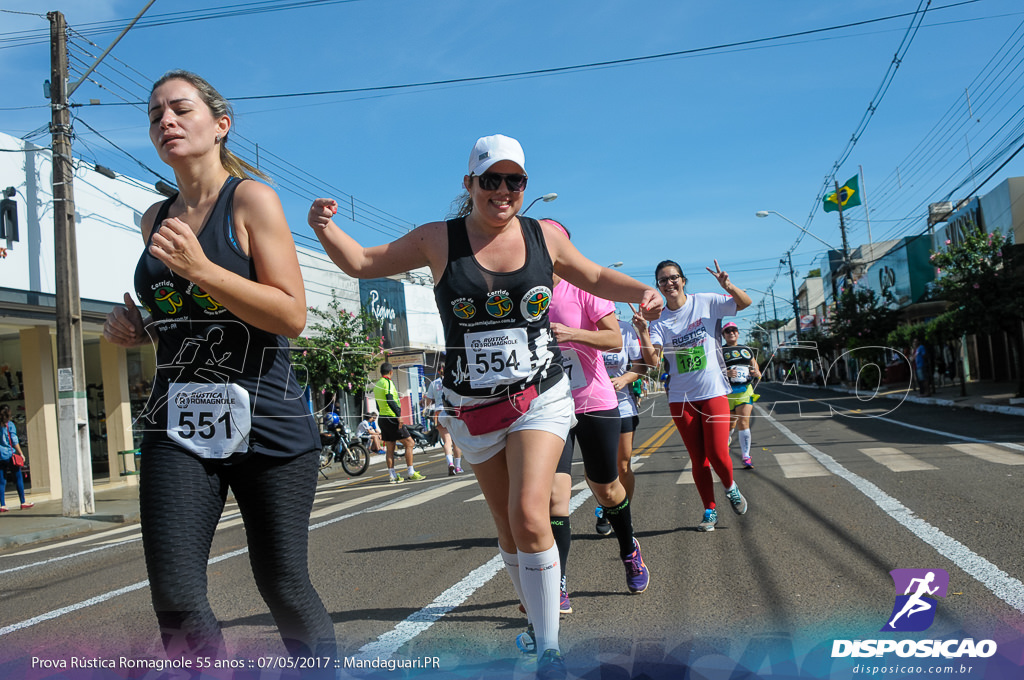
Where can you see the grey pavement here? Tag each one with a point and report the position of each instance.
(118, 504)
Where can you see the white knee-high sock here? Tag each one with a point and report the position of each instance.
(540, 577)
(745, 443)
(511, 561)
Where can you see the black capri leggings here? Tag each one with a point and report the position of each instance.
(598, 434)
(181, 499)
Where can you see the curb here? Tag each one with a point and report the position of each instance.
(71, 526)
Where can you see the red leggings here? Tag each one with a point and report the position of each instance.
(704, 427)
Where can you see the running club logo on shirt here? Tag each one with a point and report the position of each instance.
(535, 302)
(203, 299)
(692, 336)
(916, 590)
(463, 308)
(167, 298)
(731, 354)
(499, 304)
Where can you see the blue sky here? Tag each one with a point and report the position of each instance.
(654, 159)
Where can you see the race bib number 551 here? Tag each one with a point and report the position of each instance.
(210, 420)
(498, 357)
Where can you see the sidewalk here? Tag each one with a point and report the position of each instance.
(116, 505)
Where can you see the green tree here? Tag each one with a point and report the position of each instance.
(862, 321)
(342, 351)
(984, 285)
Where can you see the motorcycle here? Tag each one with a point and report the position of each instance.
(422, 439)
(338, 445)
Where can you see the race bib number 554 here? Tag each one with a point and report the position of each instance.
(210, 420)
(498, 357)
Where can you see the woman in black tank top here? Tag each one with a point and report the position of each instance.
(220, 280)
(493, 281)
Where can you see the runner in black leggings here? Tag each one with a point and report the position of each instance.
(220, 279)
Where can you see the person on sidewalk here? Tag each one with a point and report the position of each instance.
(367, 432)
(220, 279)
(391, 428)
(10, 449)
(433, 407)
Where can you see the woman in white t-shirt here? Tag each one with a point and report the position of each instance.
(689, 334)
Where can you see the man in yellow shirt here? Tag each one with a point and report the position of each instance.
(391, 428)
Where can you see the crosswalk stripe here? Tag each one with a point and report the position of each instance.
(687, 475)
(800, 464)
(989, 453)
(337, 507)
(896, 460)
(438, 491)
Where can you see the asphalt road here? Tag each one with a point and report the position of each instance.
(844, 490)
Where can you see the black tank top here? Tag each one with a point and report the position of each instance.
(496, 323)
(222, 386)
(738, 356)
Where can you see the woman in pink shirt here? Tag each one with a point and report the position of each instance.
(585, 326)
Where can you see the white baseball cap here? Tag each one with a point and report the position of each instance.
(489, 150)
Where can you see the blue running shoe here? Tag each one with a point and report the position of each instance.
(739, 503)
(709, 521)
(550, 666)
(526, 642)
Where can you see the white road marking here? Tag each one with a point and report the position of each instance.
(1002, 585)
(686, 477)
(800, 464)
(388, 643)
(989, 454)
(56, 613)
(436, 492)
(896, 460)
(1009, 445)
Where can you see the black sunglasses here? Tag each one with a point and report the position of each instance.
(491, 181)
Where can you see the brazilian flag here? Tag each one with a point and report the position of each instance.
(849, 196)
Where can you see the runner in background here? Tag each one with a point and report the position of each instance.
(689, 333)
(742, 371)
(625, 368)
(433, 405)
(585, 326)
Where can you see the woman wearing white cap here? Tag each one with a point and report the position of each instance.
(508, 405)
(689, 333)
(742, 371)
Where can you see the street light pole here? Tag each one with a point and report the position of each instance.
(792, 283)
(844, 251)
(547, 198)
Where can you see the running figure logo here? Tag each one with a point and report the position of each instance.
(915, 592)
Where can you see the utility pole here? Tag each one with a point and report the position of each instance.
(847, 266)
(72, 422)
(792, 283)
